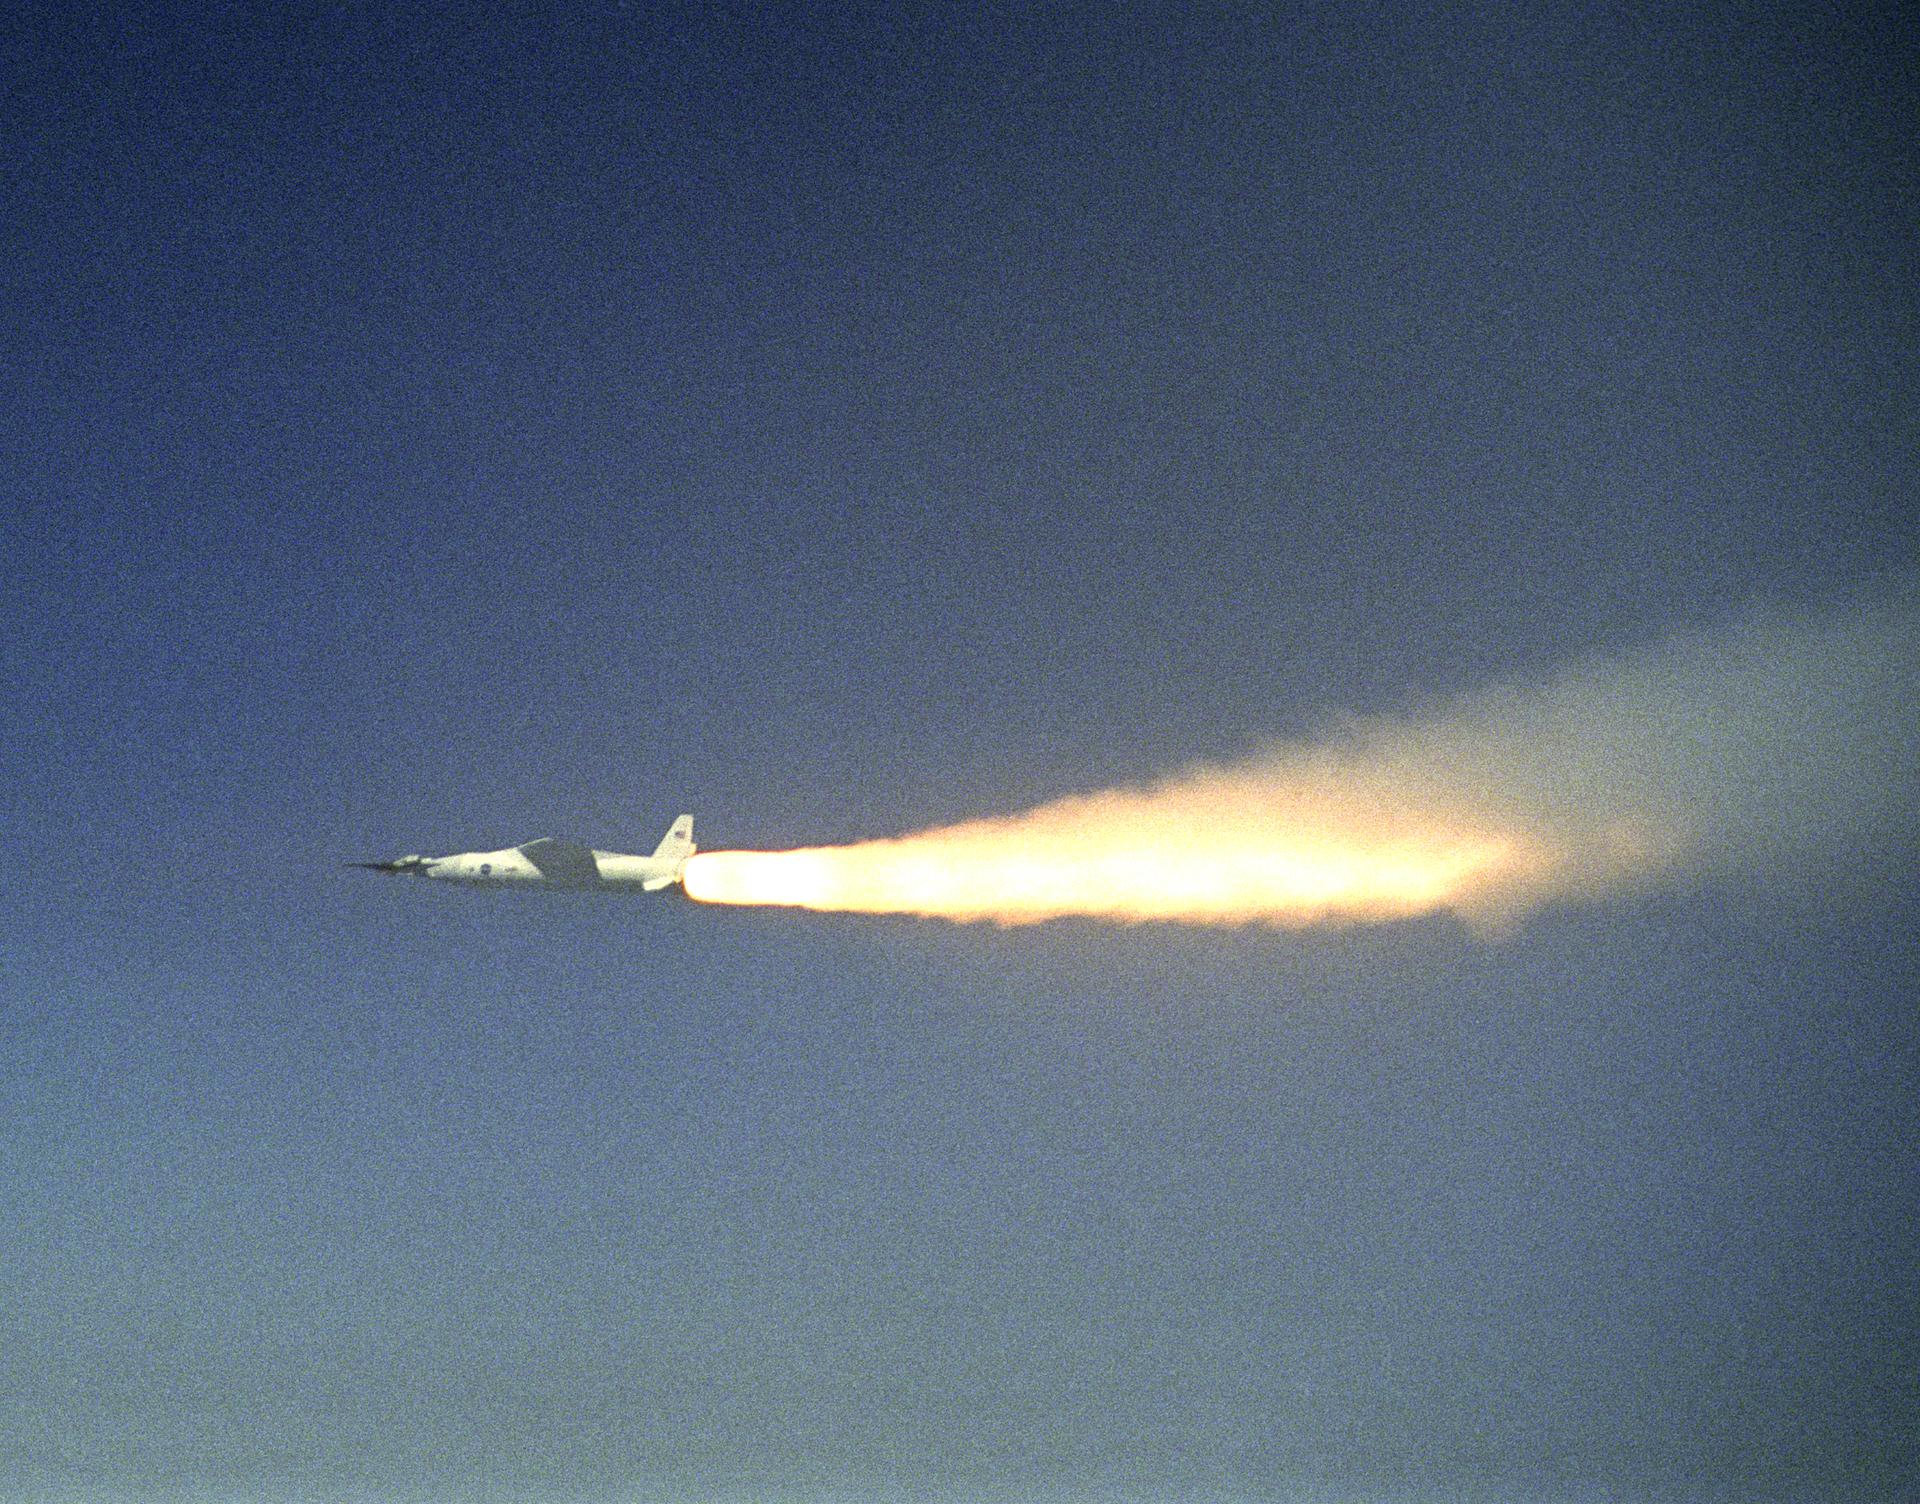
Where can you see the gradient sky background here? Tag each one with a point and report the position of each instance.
(423, 434)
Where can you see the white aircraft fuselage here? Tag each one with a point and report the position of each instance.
(554, 864)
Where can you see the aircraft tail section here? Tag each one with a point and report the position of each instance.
(677, 844)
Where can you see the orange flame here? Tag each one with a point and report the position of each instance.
(1730, 750)
(1211, 849)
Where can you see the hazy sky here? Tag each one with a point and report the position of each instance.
(430, 433)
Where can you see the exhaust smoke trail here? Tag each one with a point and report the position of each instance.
(1733, 750)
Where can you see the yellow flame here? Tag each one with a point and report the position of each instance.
(1729, 750)
(1212, 849)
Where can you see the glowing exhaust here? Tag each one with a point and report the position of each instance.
(1715, 751)
(1151, 854)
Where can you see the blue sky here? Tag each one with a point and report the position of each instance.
(425, 434)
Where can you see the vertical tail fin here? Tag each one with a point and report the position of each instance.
(677, 844)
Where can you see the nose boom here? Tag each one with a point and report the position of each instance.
(413, 865)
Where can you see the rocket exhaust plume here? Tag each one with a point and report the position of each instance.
(1746, 748)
